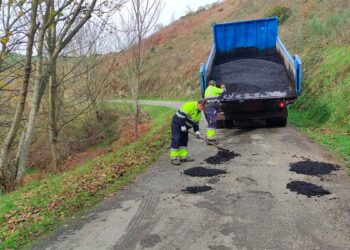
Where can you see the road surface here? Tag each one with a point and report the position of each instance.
(249, 207)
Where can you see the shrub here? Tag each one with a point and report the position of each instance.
(168, 46)
(201, 9)
(281, 11)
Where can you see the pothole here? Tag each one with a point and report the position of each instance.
(306, 188)
(214, 180)
(150, 241)
(309, 167)
(196, 189)
(221, 157)
(203, 172)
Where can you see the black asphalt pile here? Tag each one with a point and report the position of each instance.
(306, 188)
(196, 189)
(309, 167)
(221, 157)
(203, 172)
(252, 76)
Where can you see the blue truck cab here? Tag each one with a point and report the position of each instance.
(252, 39)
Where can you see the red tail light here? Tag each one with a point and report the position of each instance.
(282, 105)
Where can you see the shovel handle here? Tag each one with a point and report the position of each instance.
(206, 140)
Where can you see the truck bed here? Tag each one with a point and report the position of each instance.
(251, 60)
(253, 78)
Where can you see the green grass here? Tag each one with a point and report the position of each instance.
(175, 99)
(33, 210)
(123, 108)
(331, 24)
(322, 112)
(336, 140)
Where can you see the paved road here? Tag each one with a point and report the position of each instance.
(247, 208)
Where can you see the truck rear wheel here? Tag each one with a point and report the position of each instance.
(276, 122)
(220, 124)
(224, 124)
(228, 123)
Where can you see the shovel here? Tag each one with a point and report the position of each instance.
(207, 141)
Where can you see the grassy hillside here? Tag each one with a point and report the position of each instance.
(175, 53)
(317, 30)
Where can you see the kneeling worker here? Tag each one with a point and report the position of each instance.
(186, 117)
(211, 94)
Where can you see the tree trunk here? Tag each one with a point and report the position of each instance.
(2, 55)
(53, 127)
(137, 116)
(6, 167)
(38, 90)
(53, 98)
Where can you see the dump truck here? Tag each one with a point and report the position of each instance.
(260, 75)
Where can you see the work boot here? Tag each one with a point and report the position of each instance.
(187, 159)
(175, 161)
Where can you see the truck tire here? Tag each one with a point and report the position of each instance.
(276, 122)
(282, 122)
(220, 124)
(228, 123)
(224, 124)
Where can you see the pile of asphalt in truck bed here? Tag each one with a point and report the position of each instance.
(252, 76)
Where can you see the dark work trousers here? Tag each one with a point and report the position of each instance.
(178, 138)
(211, 112)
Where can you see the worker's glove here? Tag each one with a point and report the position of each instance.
(198, 134)
(183, 128)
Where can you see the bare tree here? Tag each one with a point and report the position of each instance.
(59, 23)
(137, 21)
(13, 27)
(80, 12)
(83, 78)
(7, 173)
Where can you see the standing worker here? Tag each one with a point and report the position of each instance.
(211, 94)
(186, 117)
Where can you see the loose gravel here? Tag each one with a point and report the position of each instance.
(221, 157)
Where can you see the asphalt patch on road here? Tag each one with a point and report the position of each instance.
(196, 189)
(316, 168)
(221, 157)
(306, 188)
(203, 172)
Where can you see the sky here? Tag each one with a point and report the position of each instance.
(174, 9)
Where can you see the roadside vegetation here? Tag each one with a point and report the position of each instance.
(53, 113)
(35, 208)
(322, 112)
(316, 30)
